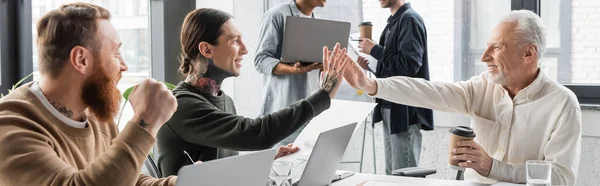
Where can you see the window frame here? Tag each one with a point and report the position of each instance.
(464, 55)
(16, 48)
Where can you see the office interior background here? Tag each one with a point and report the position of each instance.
(457, 34)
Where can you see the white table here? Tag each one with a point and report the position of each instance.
(359, 178)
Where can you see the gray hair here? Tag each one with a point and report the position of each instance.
(529, 29)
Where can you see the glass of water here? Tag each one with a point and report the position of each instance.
(281, 174)
(538, 173)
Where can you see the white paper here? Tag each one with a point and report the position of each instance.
(353, 45)
(340, 113)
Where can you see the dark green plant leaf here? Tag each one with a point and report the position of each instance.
(21, 81)
(17, 84)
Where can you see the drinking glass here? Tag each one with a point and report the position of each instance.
(281, 174)
(538, 173)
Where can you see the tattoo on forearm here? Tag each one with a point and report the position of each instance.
(62, 109)
(144, 124)
(329, 82)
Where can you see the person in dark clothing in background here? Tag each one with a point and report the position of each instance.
(402, 51)
(205, 123)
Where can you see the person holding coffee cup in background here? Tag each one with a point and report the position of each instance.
(402, 51)
(516, 110)
(366, 33)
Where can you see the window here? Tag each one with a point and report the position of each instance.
(130, 19)
(557, 61)
(572, 36)
(484, 15)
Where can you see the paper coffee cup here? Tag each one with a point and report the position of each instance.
(366, 30)
(459, 133)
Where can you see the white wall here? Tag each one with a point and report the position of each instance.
(227, 6)
(246, 89)
(248, 94)
(585, 41)
(438, 16)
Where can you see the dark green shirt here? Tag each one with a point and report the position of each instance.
(208, 128)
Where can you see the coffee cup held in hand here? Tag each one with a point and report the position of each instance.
(366, 30)
(459, 133)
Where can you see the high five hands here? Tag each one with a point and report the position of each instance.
(334, 66)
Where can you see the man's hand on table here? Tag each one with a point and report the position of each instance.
(286, 150)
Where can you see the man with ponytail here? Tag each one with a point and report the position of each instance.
(206, 124)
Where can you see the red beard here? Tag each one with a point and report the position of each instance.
(101, 95)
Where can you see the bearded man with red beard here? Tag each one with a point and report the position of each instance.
(60, 130)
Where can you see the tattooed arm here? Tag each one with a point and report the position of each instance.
(334, 63)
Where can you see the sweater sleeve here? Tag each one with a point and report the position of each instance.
(199, 123)
(30, 157)
(146, 180)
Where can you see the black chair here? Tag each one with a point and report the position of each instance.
(414, 172)
(421, 172)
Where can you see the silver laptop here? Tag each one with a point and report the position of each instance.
(319, 169)
(304, 38)
(248, 169)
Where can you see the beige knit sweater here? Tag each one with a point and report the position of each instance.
(36, 148)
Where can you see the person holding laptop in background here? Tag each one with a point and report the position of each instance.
(60, 130)
(206, 124)
(284, 83)
(402, 51)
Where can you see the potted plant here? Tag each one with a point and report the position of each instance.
(126, 97)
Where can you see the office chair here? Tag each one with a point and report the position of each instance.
(152, 168)
(414, 172)
(421, 172)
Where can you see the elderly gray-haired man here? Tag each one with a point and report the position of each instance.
(517, 112)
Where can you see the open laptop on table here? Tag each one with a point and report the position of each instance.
(319, 169)
(248, 169)
(304, 38)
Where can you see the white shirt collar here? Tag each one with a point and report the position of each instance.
(530, 90)
(37, 91)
